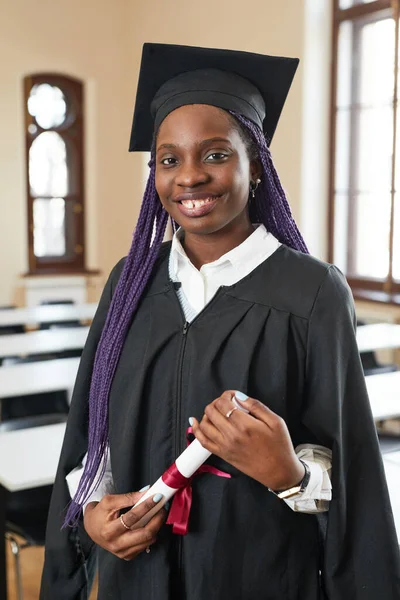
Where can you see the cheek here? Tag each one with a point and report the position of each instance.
(241, 185)
(162, 186)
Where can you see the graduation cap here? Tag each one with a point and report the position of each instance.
(253, 85)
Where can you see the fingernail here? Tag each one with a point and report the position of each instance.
(145, 488)
(157, 498)
(240, 396)
(191, 421)
(167, 505)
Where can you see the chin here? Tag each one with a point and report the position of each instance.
(201, 226)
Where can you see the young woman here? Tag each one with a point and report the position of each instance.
(233, 312)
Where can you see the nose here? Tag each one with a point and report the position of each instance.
(191, 174)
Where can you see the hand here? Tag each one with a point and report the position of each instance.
(103, 525)
(258, 444)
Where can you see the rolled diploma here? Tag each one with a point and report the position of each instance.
(187, 464)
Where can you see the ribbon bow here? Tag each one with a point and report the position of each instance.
(180, 508)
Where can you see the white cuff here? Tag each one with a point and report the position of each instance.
(106, 485)
(318, 493)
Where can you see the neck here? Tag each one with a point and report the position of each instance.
(206, 248)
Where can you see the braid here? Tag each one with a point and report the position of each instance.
(138, 266)
(270, 205)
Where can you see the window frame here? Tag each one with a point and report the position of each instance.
(387, 291)
(72, 133)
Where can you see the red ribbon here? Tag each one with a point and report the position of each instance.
(180, 508)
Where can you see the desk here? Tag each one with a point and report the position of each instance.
(384, 395)
(28, 459)
(39, 342)
(37, 377)
(46, 314)
(378, 337)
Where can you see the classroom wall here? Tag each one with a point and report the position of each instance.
(86, 40)
(100, 42)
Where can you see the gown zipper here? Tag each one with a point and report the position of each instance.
(178, 416)
(186, 326)
(178, 448)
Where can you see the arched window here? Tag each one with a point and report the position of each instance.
(54, 166)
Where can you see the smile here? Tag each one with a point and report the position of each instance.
(196, 203)
(198, 207)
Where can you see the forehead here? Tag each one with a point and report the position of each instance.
(196, 120)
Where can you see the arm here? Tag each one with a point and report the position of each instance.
(68, 551)
(361, 558)
(315, 498)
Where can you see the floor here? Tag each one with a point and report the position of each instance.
(31, 564)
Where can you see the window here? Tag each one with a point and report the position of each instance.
(365, 159)
(54, 166)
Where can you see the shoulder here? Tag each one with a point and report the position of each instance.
(306, 280)
(116, 272)
(293, 282)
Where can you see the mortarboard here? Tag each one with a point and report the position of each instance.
(254, 85)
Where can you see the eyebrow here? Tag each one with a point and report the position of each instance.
(201, 144)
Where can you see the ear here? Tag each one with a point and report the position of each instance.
(255, 170)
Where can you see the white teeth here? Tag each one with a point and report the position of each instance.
(196, 203)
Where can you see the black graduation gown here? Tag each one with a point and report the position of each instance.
(284, 334)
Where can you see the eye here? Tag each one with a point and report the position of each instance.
(168, 162)
(216, 156)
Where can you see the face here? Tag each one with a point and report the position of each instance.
(203, 172)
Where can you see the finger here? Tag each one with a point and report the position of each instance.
(225, 426)
(203, 439)
(261, 412)
(211, 427)
(144, 535)
(115, 502)
(156, 522)
(132, 553)
(113, 532)
(135, 514)
(225, 406)
(131, 542)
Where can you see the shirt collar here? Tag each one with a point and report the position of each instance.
(236, 256)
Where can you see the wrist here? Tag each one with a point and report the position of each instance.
(292, 478)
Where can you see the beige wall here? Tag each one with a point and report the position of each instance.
(100, 42)
(87, 40)
(264, 26)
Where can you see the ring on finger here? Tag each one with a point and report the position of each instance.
(121, 518)
(148, 550)
(228, 414)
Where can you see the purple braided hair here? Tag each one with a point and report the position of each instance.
(269, 207)
(148, 237)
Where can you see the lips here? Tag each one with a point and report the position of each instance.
(196, 204)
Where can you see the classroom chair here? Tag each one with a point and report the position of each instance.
(26, 517)
(26, 511)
